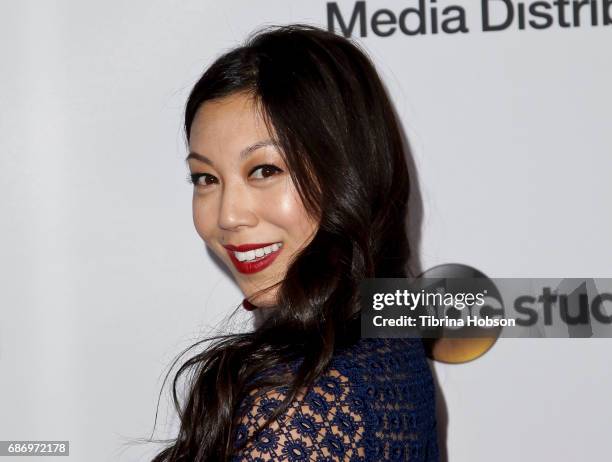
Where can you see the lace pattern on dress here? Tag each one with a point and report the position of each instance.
(376, 401)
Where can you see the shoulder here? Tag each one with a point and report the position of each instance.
(375, 394)
(383, 359)
(394, 379)
(323, 423)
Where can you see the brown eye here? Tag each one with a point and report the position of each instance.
(266, 171)
(202, 179)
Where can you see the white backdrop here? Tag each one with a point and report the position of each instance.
(104, 279)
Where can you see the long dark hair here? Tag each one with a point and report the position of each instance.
(323, 100)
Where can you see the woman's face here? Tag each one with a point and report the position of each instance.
(245, 205)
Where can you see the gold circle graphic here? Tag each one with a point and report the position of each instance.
(457, 350)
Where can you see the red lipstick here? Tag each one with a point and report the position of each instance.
(253, 266)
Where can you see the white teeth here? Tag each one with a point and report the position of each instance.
(257, 253)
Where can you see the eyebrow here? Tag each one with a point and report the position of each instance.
(243, 154)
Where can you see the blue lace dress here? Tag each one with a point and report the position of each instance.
(376, 401)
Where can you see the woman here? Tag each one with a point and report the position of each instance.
(301, 189)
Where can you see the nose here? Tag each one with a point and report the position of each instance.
(235, 208)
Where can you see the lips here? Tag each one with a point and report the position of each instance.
(249, 267)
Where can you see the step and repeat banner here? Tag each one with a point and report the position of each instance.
(507, 109)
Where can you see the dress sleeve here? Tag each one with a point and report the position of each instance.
(325, 423)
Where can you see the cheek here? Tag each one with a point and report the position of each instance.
(202, 220)
(289, 213)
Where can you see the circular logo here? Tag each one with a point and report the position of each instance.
(467, 343)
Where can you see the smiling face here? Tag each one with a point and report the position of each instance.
(245, 205)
